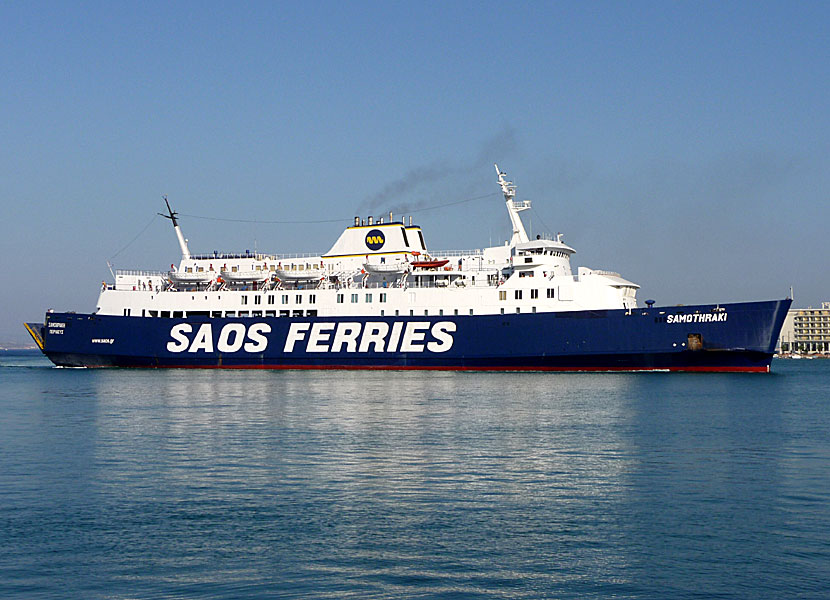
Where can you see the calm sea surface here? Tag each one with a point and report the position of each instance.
(213, 484)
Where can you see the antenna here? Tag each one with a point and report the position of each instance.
(171, 214)
(507, 187)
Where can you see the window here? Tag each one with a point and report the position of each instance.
(502, 311)
(471, 311)
(518, 294)
(270, 298)
(298, 299)
(455, 312)
(244, 299)
(502, 295)
(550, 292)
(441, 312)
(257, 299)
(518, 310)
(284, 299)
(354, 298)
(340, 298)
(368, 297)
(312, 298)
(383, 297)
(534, 294)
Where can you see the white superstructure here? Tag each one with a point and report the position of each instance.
(373, 269)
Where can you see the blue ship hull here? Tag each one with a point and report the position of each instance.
(726, 337)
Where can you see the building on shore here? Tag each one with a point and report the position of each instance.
(806, 330)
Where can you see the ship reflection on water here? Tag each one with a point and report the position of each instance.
(335, 483)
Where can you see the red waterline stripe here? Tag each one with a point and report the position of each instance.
(761, 369)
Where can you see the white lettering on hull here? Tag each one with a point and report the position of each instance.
(373, 336)
(698, 318)
(345, 336)
(232, 338)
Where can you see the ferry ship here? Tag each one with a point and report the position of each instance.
(379, 299)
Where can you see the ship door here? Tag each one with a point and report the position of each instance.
(694, 341)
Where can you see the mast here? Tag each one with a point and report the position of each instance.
(182, 242)
(513, 208)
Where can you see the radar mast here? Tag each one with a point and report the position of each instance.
(513, 208)
(171, 214)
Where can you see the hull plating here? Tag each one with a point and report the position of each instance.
(737, 337)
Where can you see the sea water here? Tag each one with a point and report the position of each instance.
(240, 484)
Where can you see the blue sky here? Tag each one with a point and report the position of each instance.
(683, 144)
